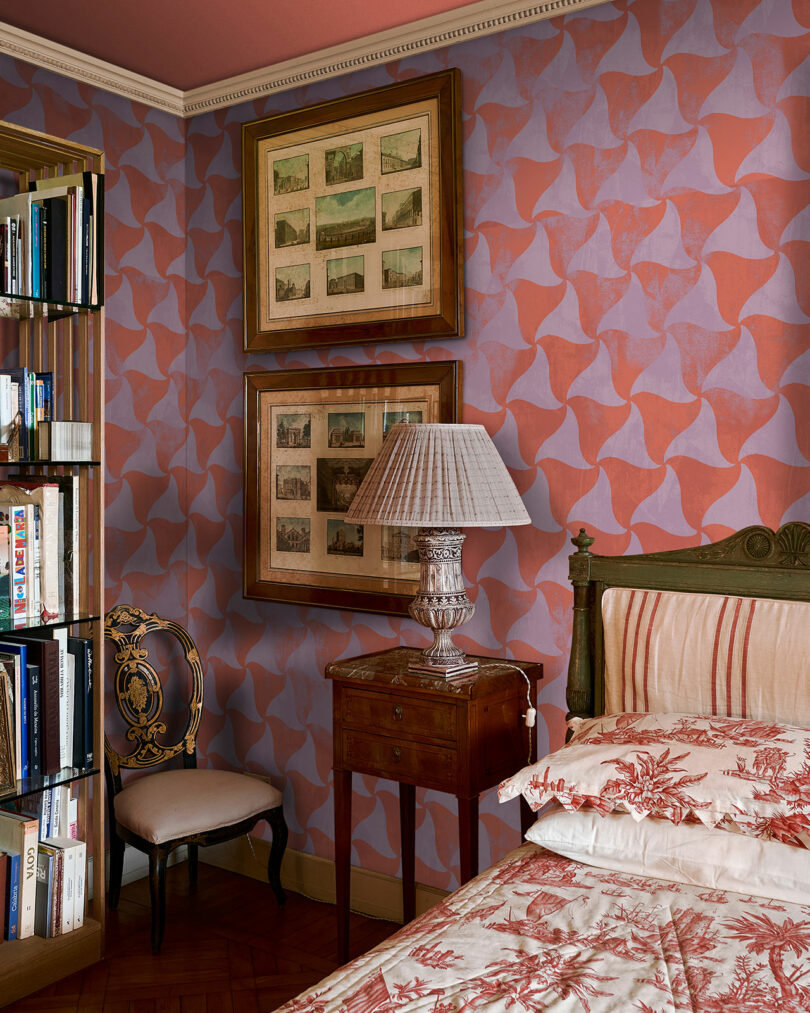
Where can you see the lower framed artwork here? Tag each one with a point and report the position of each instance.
(310, 437)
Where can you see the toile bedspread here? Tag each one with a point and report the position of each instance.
(542, 932)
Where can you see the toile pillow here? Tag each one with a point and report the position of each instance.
(736, 774)
(689, 853)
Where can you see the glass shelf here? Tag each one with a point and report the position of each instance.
(34, 623)
(31, 785)
(24, 307)
(50, 464)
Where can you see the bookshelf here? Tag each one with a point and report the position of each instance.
(66, 338)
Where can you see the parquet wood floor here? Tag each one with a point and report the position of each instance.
(228, 948)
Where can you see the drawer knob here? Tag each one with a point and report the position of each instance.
(398, 712)
(397, 752)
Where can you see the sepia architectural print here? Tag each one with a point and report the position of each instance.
(346, 219)
(293, 430)
(338, 479)
(346, 429)
(401, 152)
(344, 164)
(291, 228)
(402, 268)
(293, 481)
(343, 539)
(292, 282)
(292, 534)
(345, 275)
(402, 209)
(291, 174)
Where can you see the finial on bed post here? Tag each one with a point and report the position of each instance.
(580, 689)
(583, 542)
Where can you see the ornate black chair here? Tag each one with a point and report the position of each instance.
(160, 811)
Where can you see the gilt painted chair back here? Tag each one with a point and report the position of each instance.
(139, 693)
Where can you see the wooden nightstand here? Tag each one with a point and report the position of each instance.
(461, 737)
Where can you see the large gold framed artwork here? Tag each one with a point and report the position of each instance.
(351, 217)
(310, 437)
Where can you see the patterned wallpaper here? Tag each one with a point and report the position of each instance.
(637, 235)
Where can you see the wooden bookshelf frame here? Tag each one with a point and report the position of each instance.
(72, 345)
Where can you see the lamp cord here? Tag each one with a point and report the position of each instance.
(530, 717)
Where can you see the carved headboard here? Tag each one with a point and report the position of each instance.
(753, 563)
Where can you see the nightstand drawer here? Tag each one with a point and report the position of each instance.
(400, 715)
(429, 766)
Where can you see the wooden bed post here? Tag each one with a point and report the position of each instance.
(580, 690)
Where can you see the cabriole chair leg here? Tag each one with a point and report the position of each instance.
(117, 847)
(279, 828)
(157, 891)
(192, 865)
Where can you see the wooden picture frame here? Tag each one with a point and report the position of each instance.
(310, 436)
(352, 219)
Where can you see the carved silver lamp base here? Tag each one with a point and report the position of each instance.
(441, 603)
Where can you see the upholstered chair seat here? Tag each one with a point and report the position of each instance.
(170, 804)
(157, 811)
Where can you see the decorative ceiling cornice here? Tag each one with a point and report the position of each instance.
(89, 70)
(473, 21)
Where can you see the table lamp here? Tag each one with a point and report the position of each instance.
(439, 478)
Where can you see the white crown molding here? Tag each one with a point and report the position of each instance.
(473, 21)
(89, 70)
(486, 17)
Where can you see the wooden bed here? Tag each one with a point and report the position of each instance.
(699, 911)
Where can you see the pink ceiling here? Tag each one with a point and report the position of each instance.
(187, 43)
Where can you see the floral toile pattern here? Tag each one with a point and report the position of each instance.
(746, 776)
(538, 931)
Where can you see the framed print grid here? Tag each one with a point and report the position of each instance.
(310, 437)
(352, 219)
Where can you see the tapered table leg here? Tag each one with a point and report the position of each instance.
(407, 829)
(468, 837)
(343, 847)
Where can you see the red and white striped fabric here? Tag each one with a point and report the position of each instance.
(668, 651)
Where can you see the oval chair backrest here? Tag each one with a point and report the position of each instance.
(139, 691)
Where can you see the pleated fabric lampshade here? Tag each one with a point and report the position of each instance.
(439, 477)
(443, 476)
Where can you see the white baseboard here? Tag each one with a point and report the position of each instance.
(136, 866)
(372, 893)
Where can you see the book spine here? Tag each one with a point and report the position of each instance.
(34, 721)
(65, 701)
(34, 519)
(18, 574)
(68, 885)
(44, 894)
(8, 257)
(51, 734)
(44, 249)
(79, 888)
(45, 827)
(87, 724)
(56, 904)
(12, 912)
(12, 238)
(36, 278)
(25, 764)
(28, 878)
(5, 576)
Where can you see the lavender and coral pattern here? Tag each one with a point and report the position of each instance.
(635, 212)
(543, 932)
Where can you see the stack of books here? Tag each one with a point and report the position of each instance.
(40, 548)
(46, 703)
(27, 424)
(50, 244)
(43, 867)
